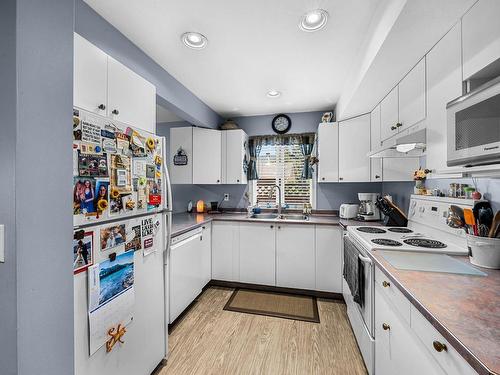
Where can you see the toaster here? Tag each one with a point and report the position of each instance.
(349, 210)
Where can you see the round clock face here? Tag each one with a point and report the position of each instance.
(281, 124)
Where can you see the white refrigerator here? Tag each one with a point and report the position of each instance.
(122, 225)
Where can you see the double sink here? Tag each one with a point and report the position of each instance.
(275, 216)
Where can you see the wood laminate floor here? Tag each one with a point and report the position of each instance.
(209, 340)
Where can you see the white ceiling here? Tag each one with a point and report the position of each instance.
(253, 46)
(164, 115)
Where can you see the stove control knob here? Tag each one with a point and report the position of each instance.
(412, 212)
(421, 209)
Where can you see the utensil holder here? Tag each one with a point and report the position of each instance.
(484, 251)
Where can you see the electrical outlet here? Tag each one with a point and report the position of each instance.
(226, 196)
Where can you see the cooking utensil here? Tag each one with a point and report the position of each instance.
(483, 230)
(470, 220)
(458, 211)
(494, 225)
(483, 213)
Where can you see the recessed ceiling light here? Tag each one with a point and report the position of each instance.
(194, 40)
(273, 93)
(314, 20)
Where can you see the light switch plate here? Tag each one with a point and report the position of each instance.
(2, 243)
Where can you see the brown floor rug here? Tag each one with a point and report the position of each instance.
(280, 305)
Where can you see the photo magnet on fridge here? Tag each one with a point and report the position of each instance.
(134, 239)
(112, 236)
(83, 251)
(84, 196)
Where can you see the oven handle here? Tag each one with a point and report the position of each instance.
(365, 259)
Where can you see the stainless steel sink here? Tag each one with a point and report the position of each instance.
(300, 217)
(275, 216)
(264, 216)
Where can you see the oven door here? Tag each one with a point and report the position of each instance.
(473, 127)
(362, 317)
(366, 309)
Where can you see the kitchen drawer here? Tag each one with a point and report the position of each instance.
(393, 294)
(449, 359)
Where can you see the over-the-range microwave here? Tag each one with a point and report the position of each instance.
(474, 126)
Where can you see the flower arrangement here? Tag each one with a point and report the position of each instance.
(419, 176)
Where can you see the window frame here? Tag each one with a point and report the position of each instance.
(252, 190)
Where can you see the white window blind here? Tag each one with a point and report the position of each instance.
(281, 165)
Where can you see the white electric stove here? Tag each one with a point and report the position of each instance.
(427, 231)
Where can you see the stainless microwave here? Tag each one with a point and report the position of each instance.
(474, 127)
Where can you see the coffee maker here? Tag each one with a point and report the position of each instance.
(368, 211)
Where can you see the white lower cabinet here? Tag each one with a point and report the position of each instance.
(328, 259)
(206, 253)
(257, 253)
(295, 256)
(225, 251)
(397, 349)
(301, 256)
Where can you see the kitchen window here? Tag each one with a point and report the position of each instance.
(281, 165)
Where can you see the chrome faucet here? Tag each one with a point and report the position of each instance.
(279, 201)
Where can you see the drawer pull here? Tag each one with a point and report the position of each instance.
(386, 327)
(386, 284)
(439, 346)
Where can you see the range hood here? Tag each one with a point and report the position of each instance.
(410, 145)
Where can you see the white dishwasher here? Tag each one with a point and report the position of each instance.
(185, 271)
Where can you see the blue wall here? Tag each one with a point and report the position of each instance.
(171, 93)
(36, 280)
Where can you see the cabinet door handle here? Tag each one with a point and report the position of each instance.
(115, 112)
(393, 127)
(386, 284)
(218, 181)
(279, 227)
(377, 176)
(398, 125)
(237, 180)
(271, 226)
(439, 346)
(323, 178)
(386, 327)
(341, 178)
(102, 107)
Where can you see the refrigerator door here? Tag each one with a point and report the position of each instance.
(147, 330)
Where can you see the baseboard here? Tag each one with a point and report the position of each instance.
(269, 288)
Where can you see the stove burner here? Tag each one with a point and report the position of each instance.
(425, 242)
(386, 242)
(370, 230)
(400, 230)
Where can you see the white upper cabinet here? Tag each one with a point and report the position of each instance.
(354, 145)
(181, 139)
(90, 76)
(375, 163)
(295, 256)
(328, 152)
(131, 99)
(234, 146)
(481, 36)
(257, 253)
(444, 83)
(207, 156)
(103, 85)
(389, 116)
(412, 97)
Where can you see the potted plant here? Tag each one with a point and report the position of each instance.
(419, 176)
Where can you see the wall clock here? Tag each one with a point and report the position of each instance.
(281, 124)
